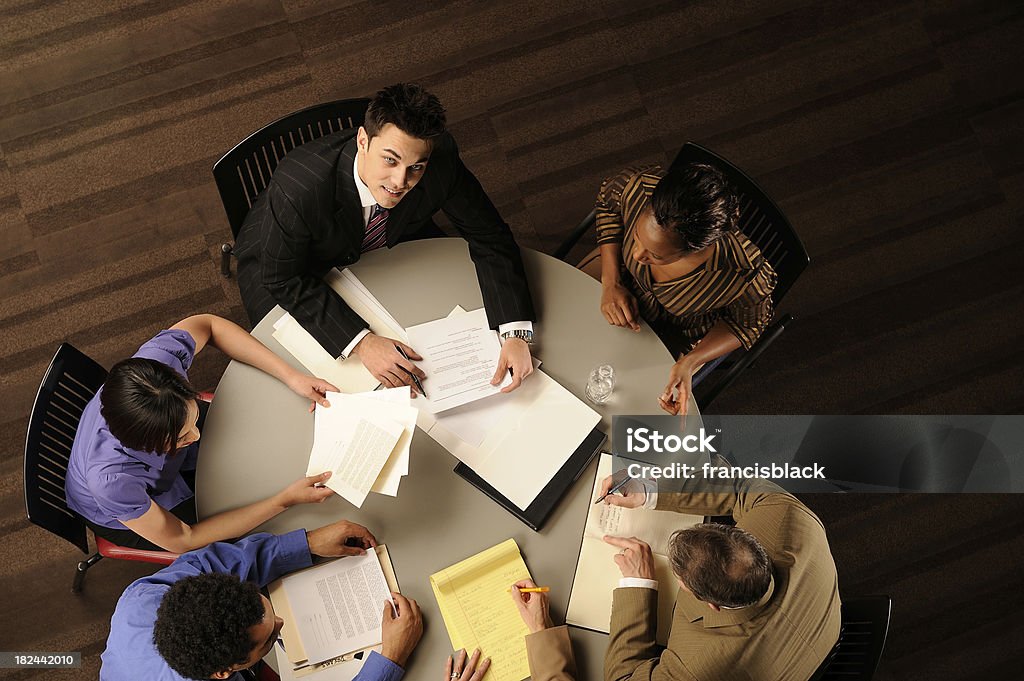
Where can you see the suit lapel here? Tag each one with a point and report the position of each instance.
(349, 210)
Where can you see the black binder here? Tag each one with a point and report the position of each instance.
(538, 512)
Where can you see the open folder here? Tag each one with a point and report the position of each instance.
(544, 503)
(597, 575)
(355, 610)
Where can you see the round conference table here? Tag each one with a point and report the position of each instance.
(258, 434)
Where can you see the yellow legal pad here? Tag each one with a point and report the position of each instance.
(478, 610)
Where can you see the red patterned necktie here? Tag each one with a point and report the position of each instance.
(376, 229)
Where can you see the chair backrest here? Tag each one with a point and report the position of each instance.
(861, 641)
(242, 173)
(760, 219)
(70, 382)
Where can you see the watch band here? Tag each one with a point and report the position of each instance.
(522, 334)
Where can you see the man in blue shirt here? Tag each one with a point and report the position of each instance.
(203, 617)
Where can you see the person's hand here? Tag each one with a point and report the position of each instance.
(635, 559)
(533, 607)
(382, 359)
(311, 388)
(619, 306)
(515, 356)
(676, 397)
(308, 490)
(402, 631)
(342, 538)
(460, 670)
(627, 497)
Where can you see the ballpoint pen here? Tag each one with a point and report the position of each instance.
(532, 589)
(615, 488)
(415, 378)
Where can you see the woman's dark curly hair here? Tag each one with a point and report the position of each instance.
(202, 624)
(698, 203)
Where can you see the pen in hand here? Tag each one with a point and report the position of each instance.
(415, 378)
(615, 488)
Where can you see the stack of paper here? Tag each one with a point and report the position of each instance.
(478, 611)
(460, 355)
(349, 375)
(332, 615)
(597, 575)
(364, 440)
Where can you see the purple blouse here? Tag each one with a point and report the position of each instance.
(108, 483)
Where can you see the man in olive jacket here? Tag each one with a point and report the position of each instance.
(756, 601)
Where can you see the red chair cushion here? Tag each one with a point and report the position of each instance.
(110, 550)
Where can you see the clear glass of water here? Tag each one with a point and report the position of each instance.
(601, 384)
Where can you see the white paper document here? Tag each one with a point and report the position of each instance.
(397, 464)
(346, 374)
(460, 355)
(541, 425)
(354, 438)
(337, 606)
(349, 375)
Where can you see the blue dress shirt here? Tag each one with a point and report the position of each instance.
(260, 558)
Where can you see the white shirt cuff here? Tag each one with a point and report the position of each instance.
(652, 500)
(514, 326)
(352, 346)
(638, 582)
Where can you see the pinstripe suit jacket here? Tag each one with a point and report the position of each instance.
(309, 219)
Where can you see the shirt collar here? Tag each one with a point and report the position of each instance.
(695, 610)
(365, 197)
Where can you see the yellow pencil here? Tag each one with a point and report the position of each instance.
(532, 590)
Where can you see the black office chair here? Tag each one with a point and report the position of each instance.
(70, 382)
(765, 225)
(242, 173)
(861, 641)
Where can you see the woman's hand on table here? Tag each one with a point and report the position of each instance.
(619, 306)
(459, 669)
(676, 397)
(312, 388)
(308, 490)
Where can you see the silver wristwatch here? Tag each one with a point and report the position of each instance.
(523, 334)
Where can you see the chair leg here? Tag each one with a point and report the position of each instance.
(76, 586)
(225, 260)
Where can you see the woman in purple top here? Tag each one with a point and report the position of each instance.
(140, 433)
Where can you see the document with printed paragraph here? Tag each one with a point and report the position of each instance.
(330, 611)
(460, 354)
(478, 611)
(354, 438)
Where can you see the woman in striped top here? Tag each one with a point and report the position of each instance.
(669, 253)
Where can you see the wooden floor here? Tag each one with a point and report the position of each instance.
(889, 132)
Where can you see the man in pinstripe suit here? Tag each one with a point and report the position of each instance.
(334, 198)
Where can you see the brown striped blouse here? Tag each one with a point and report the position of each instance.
(734, 285)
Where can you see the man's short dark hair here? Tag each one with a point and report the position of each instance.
(145, 404)
(721, 564)
(698, 203)
(202, 624)
(408, 107)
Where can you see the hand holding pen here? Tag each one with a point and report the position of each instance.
(415, 378)
(619, 482)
